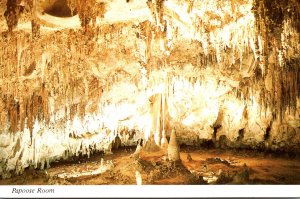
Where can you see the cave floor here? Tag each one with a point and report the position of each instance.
(198, 166)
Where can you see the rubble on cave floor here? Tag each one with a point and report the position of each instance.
(205, 166)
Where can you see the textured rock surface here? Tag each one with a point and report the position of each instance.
(210, 69)
(173, 148)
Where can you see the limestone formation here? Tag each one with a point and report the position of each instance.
(150, 145)
(173, 148)
(73, 73)
(138, 178)
(164, 141)
(138, 147)
(116, 143)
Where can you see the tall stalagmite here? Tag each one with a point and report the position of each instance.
(173, 148)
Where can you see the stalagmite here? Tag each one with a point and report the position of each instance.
(150, 145)
(138, 147)
(173, 148)
(138, 178)
(116, 143)
(137, 150)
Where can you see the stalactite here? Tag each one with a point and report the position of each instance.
(270, 23)
(30, 120)
(12, 14)
(45, 97)
(87, 10)
(35, 26)
(13, 112)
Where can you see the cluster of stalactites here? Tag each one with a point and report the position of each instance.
(88, 11)
(14, 10)
(12, 14)
(277, 30)
(34, 83)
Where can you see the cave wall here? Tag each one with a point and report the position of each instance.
(213, 70)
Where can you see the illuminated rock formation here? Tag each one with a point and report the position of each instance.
(173, 148)
(75, 74)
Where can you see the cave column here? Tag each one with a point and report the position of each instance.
(163, 141)
(156, 118)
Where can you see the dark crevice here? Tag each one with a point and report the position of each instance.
(214, 137)
(60, 9)
(267, 133)
(241, 135)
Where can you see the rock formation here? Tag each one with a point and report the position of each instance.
(173, 148)
(74, 72)
(150, 145)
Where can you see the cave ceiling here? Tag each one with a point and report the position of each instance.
(78, 48)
